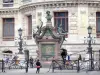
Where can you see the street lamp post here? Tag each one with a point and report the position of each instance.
(21, 41)
(90, 48)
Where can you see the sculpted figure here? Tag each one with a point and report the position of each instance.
(48, 17)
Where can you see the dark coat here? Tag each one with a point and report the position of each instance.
(38, 63)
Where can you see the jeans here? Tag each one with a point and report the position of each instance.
(38, 70)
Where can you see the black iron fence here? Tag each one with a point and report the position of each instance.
(12, 64)
(80, 64)
(15, 64)
(59, 65)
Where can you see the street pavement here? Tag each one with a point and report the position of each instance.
(44, 71)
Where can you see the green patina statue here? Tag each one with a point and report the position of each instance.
(60, 29)
(48, 17)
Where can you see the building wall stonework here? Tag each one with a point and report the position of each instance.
(81, 14)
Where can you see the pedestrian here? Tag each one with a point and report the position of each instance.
(31, 62)
(38, 66)
(63, 55)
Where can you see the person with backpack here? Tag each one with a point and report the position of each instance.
(38, 66)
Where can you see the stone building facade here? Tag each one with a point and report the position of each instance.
(26, 14)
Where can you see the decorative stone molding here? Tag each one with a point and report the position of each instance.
(92, 19)
(27, 9)
(59, 4)
(92, 14)
(54, 4)
(9, 11)
(73, 23)
(49, 4)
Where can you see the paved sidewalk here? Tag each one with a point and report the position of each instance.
(44, 71)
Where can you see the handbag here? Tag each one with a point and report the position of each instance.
(38, 66)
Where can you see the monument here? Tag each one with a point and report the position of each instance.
(48, 40)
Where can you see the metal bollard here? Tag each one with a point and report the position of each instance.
(3, 69)
(78, 67)
(2, 65)
(26, 66)
(26, 59)
(53, 64)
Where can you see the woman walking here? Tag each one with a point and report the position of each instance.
(38, 65)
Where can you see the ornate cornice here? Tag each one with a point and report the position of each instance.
(50, 4)
(59, 4)
(9, 11)
(27, 9)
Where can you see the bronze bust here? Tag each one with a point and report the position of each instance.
(48, 17)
